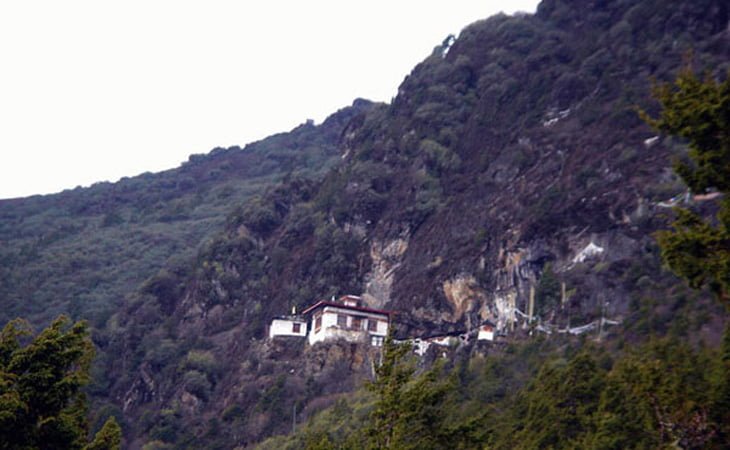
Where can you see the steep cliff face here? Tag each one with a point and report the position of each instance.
(520, 146)
(510, 179)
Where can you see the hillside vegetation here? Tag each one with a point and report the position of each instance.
(83, 251)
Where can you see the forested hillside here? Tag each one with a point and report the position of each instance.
(513, 168)
(81, 252)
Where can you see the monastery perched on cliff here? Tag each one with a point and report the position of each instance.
(346, 319)
(349, 320)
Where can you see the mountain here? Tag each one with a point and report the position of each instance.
(81, 252)
(512, 165)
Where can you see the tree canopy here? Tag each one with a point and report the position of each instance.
(41, 402)
(408, 410)
(698, 110)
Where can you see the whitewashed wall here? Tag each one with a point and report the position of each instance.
(283, 327)
(330, 329)
(485, 334)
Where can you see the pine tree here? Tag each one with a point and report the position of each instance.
(108, 438)
(391, 377)
(559, 404)
(699, 111)
(408, 413)
(721, 397)
(41, 403)
(697, 249)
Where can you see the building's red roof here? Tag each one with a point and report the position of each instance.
(323, 303)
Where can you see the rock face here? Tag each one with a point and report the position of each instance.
(463, 294)
(386, 258)
(509, 181)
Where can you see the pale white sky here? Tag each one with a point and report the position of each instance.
(96, 90)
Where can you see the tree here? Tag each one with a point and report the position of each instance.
(560, 403)
(408, 412)
(699, 111)
(108, 438)
(41, 403)
(721, 396)
(391, 377)
(657, 396)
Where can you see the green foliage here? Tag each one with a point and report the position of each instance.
(273, 398)
(699, 111)
(562, 417)
(655, 397)
(197, 384)
(336, 258)
(108, 438)
(408, 412)
(157, 445)
(166, 287)
(699, 251)
(391, 378)
(41, 403)
(260, 216)
(83, 251)
(537, 395)
(548, 291)
(203, 361)
(720, 395)
(428, 197)
(438, 157)
(167, 426)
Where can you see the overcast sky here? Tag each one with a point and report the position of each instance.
(97, 90)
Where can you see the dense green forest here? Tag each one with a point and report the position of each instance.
(542, 394)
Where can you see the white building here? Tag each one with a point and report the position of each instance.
(346, 319)
(486, 332)
(288, 326)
